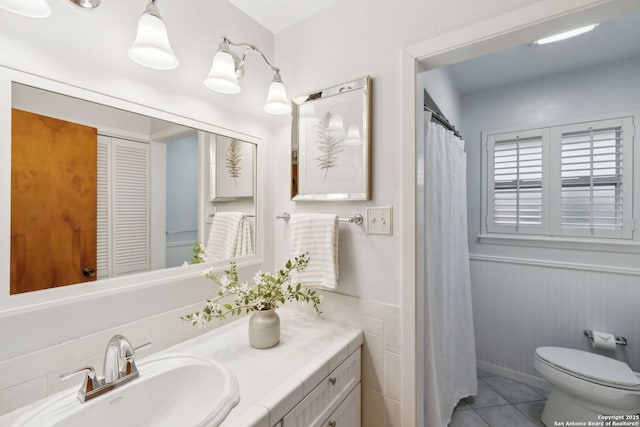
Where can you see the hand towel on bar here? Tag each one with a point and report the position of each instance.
(318, 235)
(245, 242)
(223, 236)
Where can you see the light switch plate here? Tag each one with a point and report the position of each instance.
(211, 212)
(379, 221)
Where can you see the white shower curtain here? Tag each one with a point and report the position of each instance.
(449, 343)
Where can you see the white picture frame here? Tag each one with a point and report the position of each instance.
(231, 165)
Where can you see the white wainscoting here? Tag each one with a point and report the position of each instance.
(521, 304)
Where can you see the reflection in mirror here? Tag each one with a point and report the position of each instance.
(98, 192)
(231, 192)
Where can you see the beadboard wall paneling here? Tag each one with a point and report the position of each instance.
(518, 307)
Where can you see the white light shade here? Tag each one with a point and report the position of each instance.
(353, 136)
(277, 102)
(336, 125)
(566, 35)
(152, 48)
(222, 77)
(30, 8)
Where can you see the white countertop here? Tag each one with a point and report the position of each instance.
(271, 381)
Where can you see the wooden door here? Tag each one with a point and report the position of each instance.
(53, 202)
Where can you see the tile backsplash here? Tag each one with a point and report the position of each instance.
(33, 376)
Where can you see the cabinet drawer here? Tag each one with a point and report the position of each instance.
(348, 413)
(325, 398)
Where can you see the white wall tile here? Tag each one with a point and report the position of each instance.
(21, 394)
(376, 309)
(372, 408)
(392, 412)
(373, 326)
(381, 323)
(337, 307)
(373, 362)
(392, 375)
(165, 330)
(38, 363)
(393, 334)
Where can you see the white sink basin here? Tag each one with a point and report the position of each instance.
(172, 390)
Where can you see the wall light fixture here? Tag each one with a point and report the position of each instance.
(151, 47)
(227, 68)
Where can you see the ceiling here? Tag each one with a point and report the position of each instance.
(610, 41)
(276, 15)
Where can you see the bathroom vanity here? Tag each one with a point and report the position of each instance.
(311, 378)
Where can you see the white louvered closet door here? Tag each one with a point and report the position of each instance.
(102, 232)
(129, 207)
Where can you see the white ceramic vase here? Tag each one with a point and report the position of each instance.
(264, 328)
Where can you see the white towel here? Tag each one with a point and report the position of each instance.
(223, 236)
(245, 242)
(318, 235)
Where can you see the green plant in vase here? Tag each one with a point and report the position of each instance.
(268, 293)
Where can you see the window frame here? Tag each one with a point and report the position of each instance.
(550, 233)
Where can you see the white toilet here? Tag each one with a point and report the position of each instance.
(585, 385)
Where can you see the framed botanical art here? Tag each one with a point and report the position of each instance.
(231, 164)
(330, 149)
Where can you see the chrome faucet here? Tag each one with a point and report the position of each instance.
(119, 368)
(118, 360)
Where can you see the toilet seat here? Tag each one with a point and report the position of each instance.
(590, 367)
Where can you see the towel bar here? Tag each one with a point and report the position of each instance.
(211, 215)
(356, 219)
(619, 340)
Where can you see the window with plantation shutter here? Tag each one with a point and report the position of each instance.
(572, 180)
(595, 182)
(516, 181)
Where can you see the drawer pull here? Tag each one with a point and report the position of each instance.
(332, 380)
(332, 424)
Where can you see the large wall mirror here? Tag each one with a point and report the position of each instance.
(98, 192)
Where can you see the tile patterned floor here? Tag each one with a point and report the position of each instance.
(500, 402)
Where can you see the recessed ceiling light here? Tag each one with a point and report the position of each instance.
(566, 35)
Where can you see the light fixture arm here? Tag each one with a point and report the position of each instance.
(152, 9)
(249, 48)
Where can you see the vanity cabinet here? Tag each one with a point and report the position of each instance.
(348, 413)
(332, 403)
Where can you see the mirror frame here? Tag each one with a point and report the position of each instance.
(299, 145)
(13, 304)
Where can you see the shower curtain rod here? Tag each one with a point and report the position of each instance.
(443, 121)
